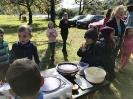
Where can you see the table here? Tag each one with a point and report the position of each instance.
(80, 93)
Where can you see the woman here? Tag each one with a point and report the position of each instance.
(118, 24)
(108, 15)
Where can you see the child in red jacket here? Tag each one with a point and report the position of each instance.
(126, 47)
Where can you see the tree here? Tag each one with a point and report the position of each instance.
(84, 4)
(25, 3)
(70, 12)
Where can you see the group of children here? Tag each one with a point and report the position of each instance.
(24, 76)
(102, 53)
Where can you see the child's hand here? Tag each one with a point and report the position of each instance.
(51, 33)
(83, 48)
(116, 37)
(12, 93)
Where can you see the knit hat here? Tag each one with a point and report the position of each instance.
(106, 31)
(92, 33)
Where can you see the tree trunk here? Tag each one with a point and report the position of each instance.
(30, 15)
(19, 17)
(82, 10)
(80, 7)
(52, 11)
(48, 13)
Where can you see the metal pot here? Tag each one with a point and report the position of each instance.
(95, 74)
(65, 73)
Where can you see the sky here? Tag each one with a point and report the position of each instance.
(69, 4)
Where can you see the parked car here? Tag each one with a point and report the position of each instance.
(74, 20)
(99, 24)
(87, 20)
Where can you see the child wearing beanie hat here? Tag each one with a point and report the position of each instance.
(91, 51)
(108, 57)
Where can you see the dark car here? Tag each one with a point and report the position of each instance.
(74, 20)
(87, 20)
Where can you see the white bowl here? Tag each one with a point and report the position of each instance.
(95, 74)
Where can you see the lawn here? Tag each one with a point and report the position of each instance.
(121, 87)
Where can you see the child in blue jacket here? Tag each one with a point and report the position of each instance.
(24, 48)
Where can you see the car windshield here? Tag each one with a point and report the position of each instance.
(88, 17)
(76, 17)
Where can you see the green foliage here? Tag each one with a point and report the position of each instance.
(87, 5)
(71, 13)
(113, 3)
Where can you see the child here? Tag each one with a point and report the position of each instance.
(4, 56)
(108, 54)
(129, 20)
(64, 25)
(52, 34)
(24, 48)
(126, 47)
(25, 79)
(90, 51)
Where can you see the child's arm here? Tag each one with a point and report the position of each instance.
(61, 24)
(92, 57)
(80, 52)
(69, 25)
(36, 57)
(48, 33)
(14, 53)
(55, 34)
(128, 21)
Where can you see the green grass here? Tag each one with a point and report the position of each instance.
(121, 87)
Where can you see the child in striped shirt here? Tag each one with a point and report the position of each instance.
(4, 56)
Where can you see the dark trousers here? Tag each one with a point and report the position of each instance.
(3, 71)
(52, 47)
(64, 38)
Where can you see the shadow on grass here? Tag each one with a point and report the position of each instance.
(46, 63)
(121, 87)
(13, 28)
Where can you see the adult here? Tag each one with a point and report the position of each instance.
(64, 25)
(107, 17)
(118, 24)
(129, 20)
